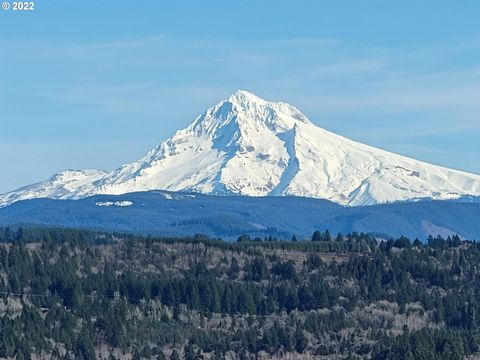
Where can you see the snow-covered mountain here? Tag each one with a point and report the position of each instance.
(249, 146)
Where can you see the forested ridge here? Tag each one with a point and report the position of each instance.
(78, 294)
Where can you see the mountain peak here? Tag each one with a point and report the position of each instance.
(243, 96)
(245, 110)
(246, 145)
(257, 108)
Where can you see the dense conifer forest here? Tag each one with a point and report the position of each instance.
(77, 294)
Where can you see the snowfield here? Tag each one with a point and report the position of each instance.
(249, 146)
(123, 203)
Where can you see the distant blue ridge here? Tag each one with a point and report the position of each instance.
(162, 213)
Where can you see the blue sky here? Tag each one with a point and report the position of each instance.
(94, 84)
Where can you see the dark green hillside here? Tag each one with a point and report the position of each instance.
(85, 295)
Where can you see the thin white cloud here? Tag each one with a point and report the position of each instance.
(346, 67)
